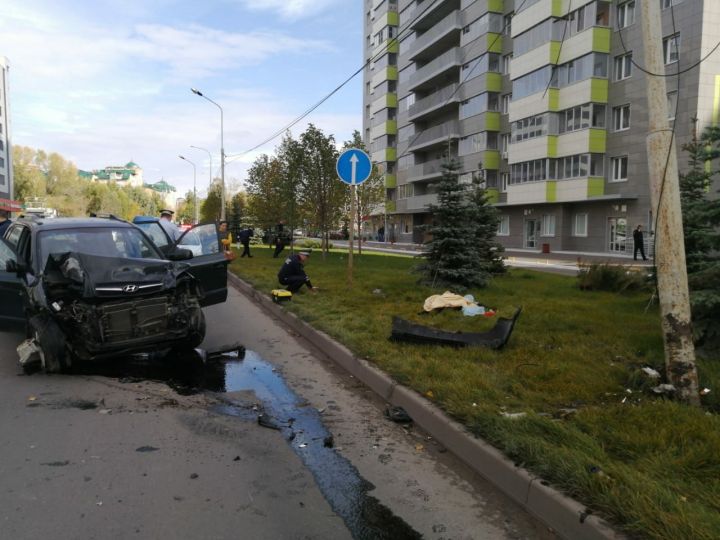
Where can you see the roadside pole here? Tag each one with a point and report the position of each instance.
(353, 168)
(665, 196)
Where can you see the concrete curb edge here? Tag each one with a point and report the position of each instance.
(564, 515)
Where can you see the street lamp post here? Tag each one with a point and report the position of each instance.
(210, 156)
(222, 153)
(194, 187)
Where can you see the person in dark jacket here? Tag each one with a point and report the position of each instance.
(244, 237)
(4, 222)
(292, 273)
(638, 243)
(279, 239)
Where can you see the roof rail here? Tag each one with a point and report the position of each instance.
(105, 216)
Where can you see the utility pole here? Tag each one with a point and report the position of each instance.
(665, 197)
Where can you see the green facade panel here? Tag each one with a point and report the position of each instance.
(493, 195)
(552, 145)
(551, 191)
(595, 186)
(491, 160)
(391, 100)
(391, 73)
(555, 49)
(495, 5)
(390, 154)
(553, 99)
(598, 139)
(494, 42)
(492, 121)
(493, 81)
(393, 19)
(599, 90)
(391, 127)
(392, 45)
(390, 206)
(601, 40)
(390, 181)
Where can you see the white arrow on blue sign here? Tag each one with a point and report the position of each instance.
(353, 166)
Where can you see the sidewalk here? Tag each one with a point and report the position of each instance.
(563, 261)
(567, 517)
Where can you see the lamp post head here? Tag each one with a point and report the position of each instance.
(196, 91)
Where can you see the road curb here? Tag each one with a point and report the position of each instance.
(565, 516)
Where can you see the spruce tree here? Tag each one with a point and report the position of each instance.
(459, 255)
(486, 223)
(701, 228)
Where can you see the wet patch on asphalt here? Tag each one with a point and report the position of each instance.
(240, 374)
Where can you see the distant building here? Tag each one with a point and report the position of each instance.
(165, 190)
(6, 184)
(130, 174)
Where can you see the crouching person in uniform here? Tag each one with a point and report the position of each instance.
(292, 273)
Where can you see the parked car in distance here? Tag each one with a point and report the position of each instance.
(93, 288)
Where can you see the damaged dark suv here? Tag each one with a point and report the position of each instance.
(94, 288)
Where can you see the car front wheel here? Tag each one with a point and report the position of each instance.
(51, 341)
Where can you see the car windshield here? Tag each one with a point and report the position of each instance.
(125, 242)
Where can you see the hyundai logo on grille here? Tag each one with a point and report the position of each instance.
(130, 288)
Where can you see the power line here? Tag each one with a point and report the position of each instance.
(679, 72)
(390, 42)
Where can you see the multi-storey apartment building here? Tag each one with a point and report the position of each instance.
(541, 98)
(5, 156)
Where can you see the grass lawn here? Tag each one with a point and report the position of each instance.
(592, 429)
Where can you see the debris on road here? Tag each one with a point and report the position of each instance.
(268, 422)
(398, 414)
(146, 449)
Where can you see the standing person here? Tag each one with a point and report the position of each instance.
(5, 222)
(638, 243)
(279, 239)
(166, 223)
(292, 273)
(225, 235)
(244, 238)
(381, 234)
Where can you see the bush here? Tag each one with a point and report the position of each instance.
(310, 243)
(606, 277)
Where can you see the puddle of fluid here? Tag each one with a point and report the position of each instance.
(339, 481)
(301, 425)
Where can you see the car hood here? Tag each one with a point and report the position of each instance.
(93, 276)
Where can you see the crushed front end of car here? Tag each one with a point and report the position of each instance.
(91, 307)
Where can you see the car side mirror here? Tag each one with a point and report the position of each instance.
(179, 254)
(14, 267)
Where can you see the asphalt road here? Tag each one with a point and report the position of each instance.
(117, 452)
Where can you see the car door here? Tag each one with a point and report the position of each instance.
(151, 227)
(208, 263)
(12, 289)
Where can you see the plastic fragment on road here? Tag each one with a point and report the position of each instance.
(650, 372)
(28, 353)
(398, 414)
(664, 389)
(513, 416)
(280, 295)
(266, 421)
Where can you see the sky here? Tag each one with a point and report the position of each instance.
(104, 82)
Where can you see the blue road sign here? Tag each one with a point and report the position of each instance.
(353, 166)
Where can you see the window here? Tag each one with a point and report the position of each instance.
(548, 225)
(505, 182)
(487, 101)
(619, 168)
(529, 128)
(621, 118)
(664, 4)
(506, 98)
(671, 48)
(623, 67)
(672, 101)
(581, 117)
(507, 22)
(579, 225)
(506, 63)
(503, 226)
(504, 142)
(625, 14)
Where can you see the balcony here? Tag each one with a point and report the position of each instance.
(389, 100)
(425, 171)
(441, 35)
(572, 190)
(389, 127)
(448, 60)
(389, 73)
(435, 135)
(434, 102)
(427, 14)
(416, 204)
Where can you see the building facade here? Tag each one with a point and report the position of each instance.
(543, 99)
(130, 174)
(6, 190)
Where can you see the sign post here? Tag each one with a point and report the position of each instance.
(353, 168)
